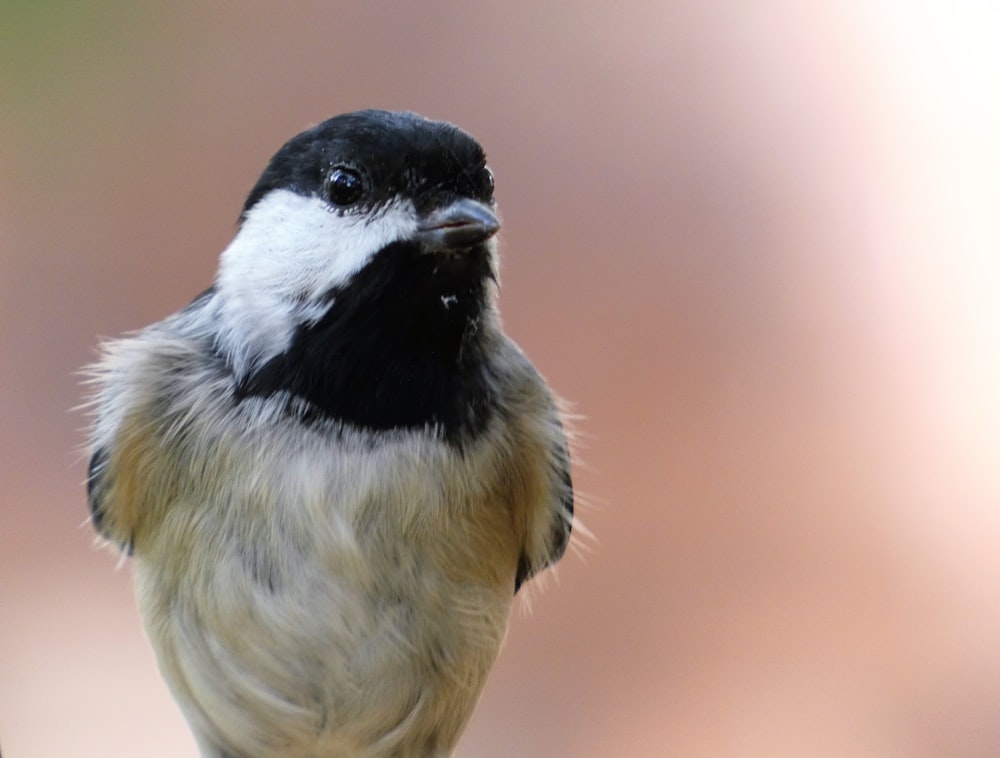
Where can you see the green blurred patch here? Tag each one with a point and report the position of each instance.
(58, 55)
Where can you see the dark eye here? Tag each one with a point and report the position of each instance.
(487, 181)
(344, 186)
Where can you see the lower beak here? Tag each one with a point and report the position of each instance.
(460, 225)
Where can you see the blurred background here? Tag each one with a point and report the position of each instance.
(757, 245)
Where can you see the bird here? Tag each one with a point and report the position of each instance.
(333, 471)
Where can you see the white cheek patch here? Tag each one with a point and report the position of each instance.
(289, 252)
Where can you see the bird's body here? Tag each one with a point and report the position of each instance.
(333, 469)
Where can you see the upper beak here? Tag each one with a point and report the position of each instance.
(462, 224)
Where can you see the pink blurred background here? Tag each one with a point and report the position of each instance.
(758, 246)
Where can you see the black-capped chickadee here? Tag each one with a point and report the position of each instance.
(333, 469)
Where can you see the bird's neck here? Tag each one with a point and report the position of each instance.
(401, 346)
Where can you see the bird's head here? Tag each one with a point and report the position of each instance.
(374, 210)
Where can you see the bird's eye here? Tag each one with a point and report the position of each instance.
(487, 181)
(344, 186)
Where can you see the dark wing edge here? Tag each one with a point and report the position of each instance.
(562, 522)
(97, 486)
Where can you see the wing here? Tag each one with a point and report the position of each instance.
(134, 457)
(121, 438)
(98, 483)
(561, 524)
(540, 434)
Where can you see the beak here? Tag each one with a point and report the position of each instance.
(460, 225)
